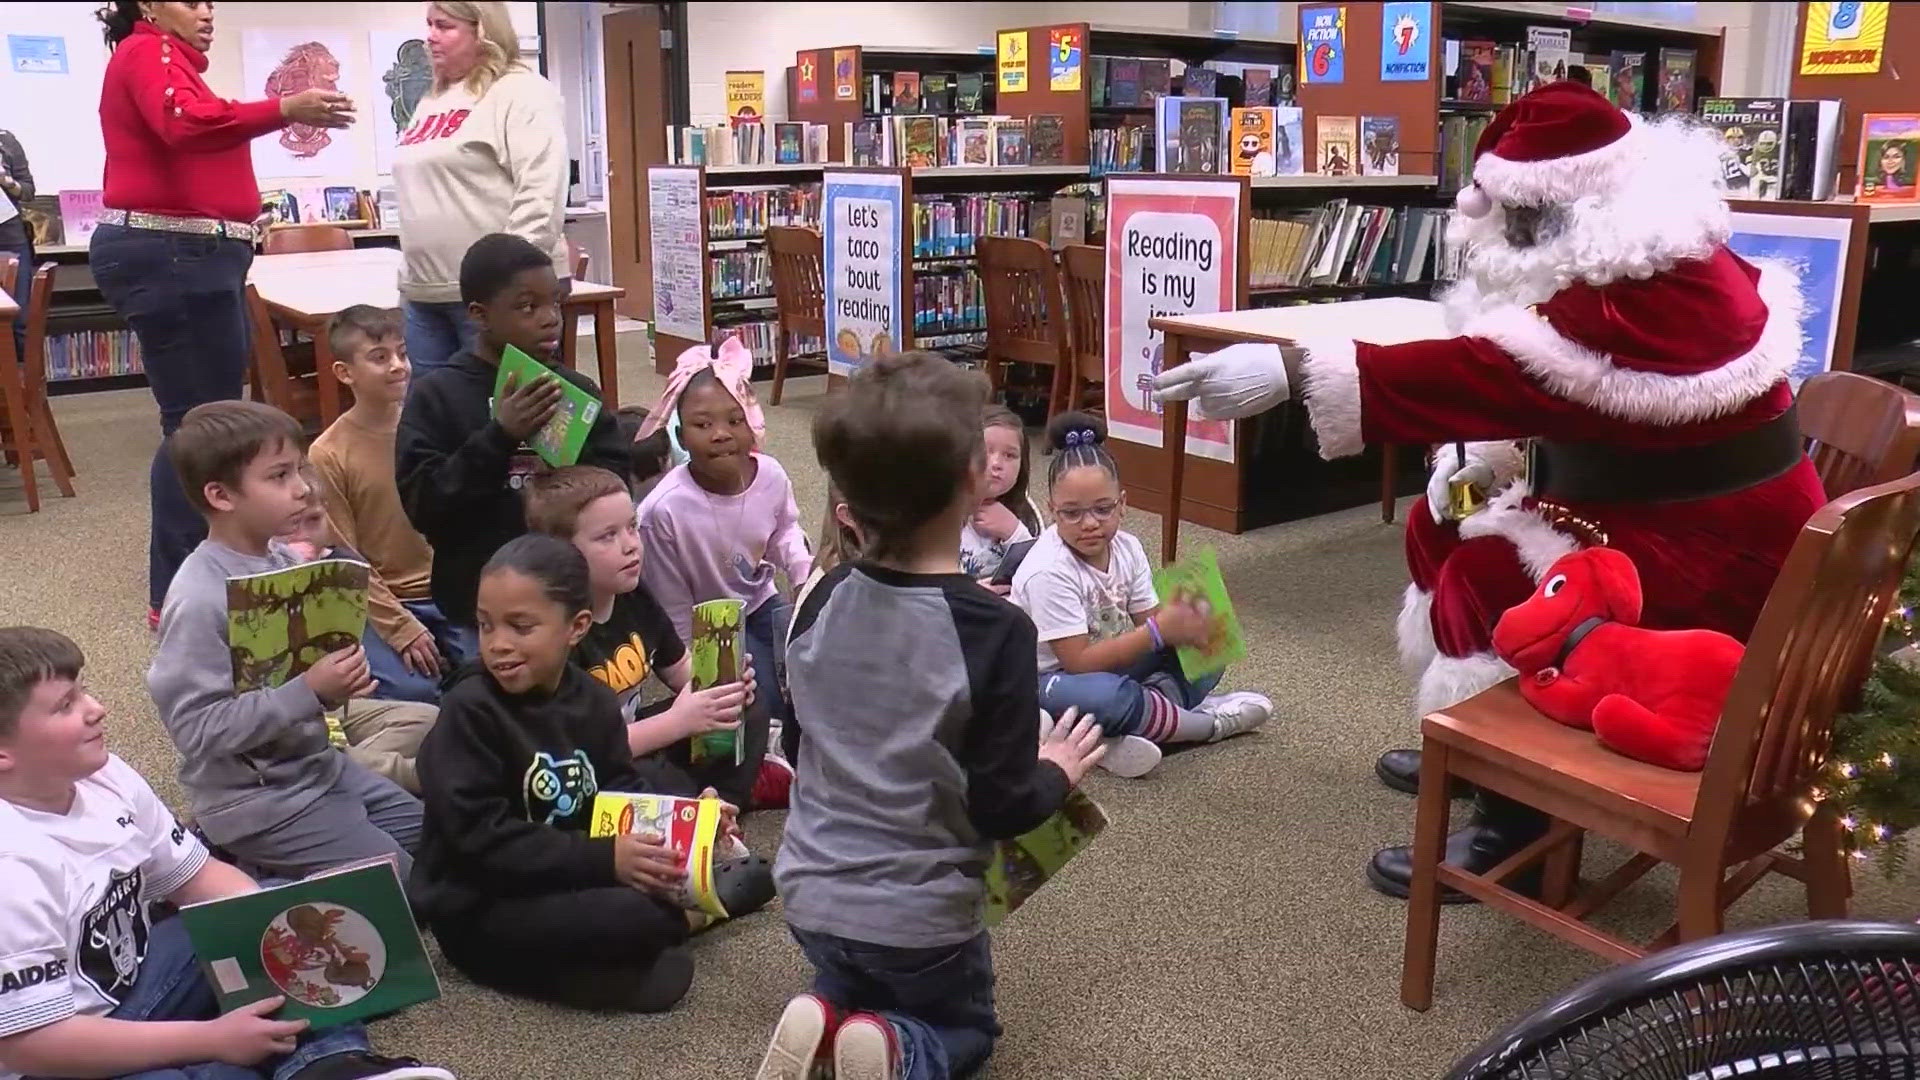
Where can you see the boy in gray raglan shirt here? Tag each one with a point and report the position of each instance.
(264, 780)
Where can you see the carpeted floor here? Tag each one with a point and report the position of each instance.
(1220, 929)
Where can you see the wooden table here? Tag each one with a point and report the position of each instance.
(1381, 321)
(310, 288)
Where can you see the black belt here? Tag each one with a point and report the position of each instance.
(1600, 473)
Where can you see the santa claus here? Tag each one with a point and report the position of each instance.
(1601, 318)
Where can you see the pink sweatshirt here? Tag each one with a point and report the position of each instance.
(699, 546)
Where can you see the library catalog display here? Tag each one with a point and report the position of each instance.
(1172, 249)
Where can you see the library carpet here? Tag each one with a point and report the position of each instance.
(1220, 928)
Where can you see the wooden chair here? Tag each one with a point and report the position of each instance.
(1084, 280)
(276, 381)
(1859, 430)
(1026, 311)
(577, 261)
(799, 293)
(1804, 662)
(293, 239)
(34, 371)
(22, 442)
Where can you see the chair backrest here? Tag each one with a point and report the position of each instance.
(1860, 430)
(293, 239)
(577, 260)
(1808, 653)
(1084, 280)
(1837, 1000)
(9, 271)
(1026, 312)
(269, 362)
(36, 316)
(799, 279)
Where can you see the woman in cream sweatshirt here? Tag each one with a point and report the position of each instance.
(484, 153)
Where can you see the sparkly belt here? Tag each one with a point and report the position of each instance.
(202, 226)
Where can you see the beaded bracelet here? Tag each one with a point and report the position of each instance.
(1153, 631)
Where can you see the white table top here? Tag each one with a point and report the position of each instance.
(315, 284)
(1387, 320)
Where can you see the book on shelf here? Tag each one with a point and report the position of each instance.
(1676, 80)
(1751, 131)
(1345, 243)
(1627, 75)
(92, 354)
(759, 334)
(735, 274)
(1812, 167)
(1549, 51)
(976, 142)
(340, 946)
(45, 227)
(1010, 142)
(1126, 148)
(948, 300)
(1889, 156)
(946, 226)
(1046, 139)
(1380, 146)
(1458, 136)
(1191, 134)
(745, 213)
(1256, 129)
(1475, 73)
(748, 143)
(1257, 84)
(938, 91)
(80, 214)
(906, 91)
(1200, 82)
(970, 93)
(1066, 221)
(1335, 139)
(341, 203)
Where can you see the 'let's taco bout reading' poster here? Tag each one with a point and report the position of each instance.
(861, 234)
(1172, 249)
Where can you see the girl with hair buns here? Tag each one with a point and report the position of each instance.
(1106, 641)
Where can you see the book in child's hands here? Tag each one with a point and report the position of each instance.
(281, 622)
(716, 649)
(340, 946)
(558, 443)
(1196, 580)
(691, 827)
(1018, 867)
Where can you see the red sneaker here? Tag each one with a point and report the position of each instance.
(799, 1048)
(772, 785)
(153, 620)
(866, 1048)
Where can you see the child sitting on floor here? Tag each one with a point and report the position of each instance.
(518, 895)
(905, 781)
(718, 526)
(88, 985)
(263, 779)
(631, 639)
(650, 455)
(353, 461)
(1106, 642)
(1005, 516)
(460, 467)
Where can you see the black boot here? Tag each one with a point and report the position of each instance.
(1500, 827)
(1400, 770)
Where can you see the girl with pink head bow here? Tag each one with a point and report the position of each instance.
(721, 522)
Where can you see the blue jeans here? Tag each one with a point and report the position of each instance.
(1118, 700)
(389, 669)
(171, 986)
(435, 332)
(939, 1001)
(766, 640)
(184, 297)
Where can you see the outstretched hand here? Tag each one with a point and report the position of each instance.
(1233, 383)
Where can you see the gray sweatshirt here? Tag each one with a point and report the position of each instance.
(248, 761)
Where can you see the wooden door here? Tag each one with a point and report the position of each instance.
(637, 101)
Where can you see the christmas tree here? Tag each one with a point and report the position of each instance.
(1875, 761)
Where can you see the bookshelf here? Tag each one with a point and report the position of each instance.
(817, 99)
(1884, 91)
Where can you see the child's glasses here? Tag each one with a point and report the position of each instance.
(1074, 515)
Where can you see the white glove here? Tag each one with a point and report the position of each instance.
(1235, 382)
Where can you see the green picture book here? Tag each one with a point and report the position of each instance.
(716, 650)
(558, 443)
(1196, 580)
(281, 622)
(1020, 866)
(340, 946)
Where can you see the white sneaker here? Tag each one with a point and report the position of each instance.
(1130, 756)
(1236, 713)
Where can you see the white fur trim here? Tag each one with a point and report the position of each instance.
(1413, 631)
(1332, 393)
(1450, 680)
(1577, 373)
(1561, 180)
(1538, 543)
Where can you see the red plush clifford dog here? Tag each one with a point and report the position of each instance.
(1652, 695)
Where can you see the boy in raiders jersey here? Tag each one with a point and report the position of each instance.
(88, 985)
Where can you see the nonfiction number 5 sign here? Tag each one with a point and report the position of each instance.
(860, 229)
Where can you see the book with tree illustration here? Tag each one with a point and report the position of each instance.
(691, 827)
(558, 442)
(1196, 580)
(280, 623)
(716, 649)
(340, 946)
(1018, 867)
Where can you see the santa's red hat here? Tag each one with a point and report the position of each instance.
(1553, 145)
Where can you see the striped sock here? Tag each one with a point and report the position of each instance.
(1162, 717)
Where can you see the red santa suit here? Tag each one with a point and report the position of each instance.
(1601, 317)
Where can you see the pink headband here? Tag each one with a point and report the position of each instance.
(733, 365)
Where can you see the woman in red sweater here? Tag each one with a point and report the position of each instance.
(176, 238)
